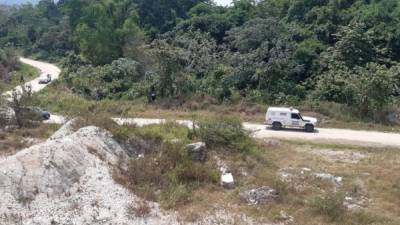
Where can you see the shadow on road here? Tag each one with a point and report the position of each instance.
(293, 130)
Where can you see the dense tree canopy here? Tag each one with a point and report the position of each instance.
(276, 51)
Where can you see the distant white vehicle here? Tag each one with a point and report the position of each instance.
(280, 118)
(44, 78)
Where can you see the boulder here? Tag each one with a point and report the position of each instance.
(197, 151)
(227, 180)
(329, 178)
(54, 166)
(260, 195)
(67, 129)
(69, 180)
(285, 218)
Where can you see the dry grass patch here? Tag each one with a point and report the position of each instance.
(13, 140)
(139, 209)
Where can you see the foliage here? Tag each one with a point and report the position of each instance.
(227, 133)
(19, 100)
(161, 16)
(109, 81)
(370, 90)
(8, 63)
(263, 58)
(101, 28)
(330, 205)
(267, 51)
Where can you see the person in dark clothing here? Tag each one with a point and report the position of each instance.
(152, 95)
(22, 78)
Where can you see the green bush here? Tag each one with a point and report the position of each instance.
(330, 205)
(367, 91)
(227, 133)
(111, 81)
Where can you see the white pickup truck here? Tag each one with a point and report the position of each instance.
(44, 78)
(279, 118)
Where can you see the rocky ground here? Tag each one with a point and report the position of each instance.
(68, 180)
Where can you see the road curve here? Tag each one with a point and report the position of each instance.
(51, 69)
(342, 136)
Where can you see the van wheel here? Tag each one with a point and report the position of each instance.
(276, 126)
(310, 128)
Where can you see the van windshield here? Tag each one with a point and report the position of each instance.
(301, 117)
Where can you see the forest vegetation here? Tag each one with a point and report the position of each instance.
(268, 51)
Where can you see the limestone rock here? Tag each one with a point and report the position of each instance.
(227, 181)
(197, 151)
(260, 195)
(67, 129)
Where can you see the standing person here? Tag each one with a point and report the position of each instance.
(22, 80)
(152, 95)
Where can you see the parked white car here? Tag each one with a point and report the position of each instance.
(44, 78)
(280, 118)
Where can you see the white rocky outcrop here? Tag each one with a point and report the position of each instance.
(68, 180)
(67, 129)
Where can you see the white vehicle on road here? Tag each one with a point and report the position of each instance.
(44, 78)
(280, 118)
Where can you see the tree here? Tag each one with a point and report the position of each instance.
(263, 57)
(159, 16)
(208, 18)
(368, 90)
(21, 98)
(102, 28)
(354, 46)
(8, 62)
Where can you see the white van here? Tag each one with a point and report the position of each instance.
(280, 118)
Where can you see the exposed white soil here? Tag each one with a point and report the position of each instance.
(68, 180)
(342, 156)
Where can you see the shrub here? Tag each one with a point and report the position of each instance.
(140, 209)
(170, 171)
(19, 101)
(176, 195)
(330, 205)
(227, 133)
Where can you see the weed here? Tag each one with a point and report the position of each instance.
(170, 170)
(330, 205)
(140, 209)
(176, 195)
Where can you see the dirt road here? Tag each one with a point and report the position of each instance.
(53, 70)
(344, 136)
